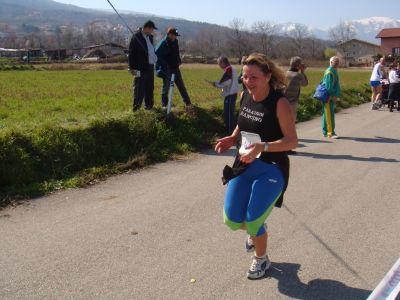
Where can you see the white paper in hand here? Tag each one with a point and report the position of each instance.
(248, 139)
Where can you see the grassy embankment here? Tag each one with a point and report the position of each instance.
(67, 128)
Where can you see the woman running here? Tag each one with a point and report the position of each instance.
(377, 75)
(260, 173)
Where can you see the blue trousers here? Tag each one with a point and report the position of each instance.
(251, 196)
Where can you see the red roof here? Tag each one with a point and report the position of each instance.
(389, 32)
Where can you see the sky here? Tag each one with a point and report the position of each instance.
(315, 13)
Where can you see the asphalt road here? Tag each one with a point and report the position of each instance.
(158, 233)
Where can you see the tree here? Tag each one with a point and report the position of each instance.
(265, 32)
(329, 52)
(237, 37)
(342, 33)
(298, 36)
(208, 42)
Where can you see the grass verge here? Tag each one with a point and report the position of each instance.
(49, 159)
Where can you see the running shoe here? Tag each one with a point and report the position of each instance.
(249, 244)
(334, 136)
(258, 267)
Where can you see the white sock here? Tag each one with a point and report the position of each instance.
(262, 257)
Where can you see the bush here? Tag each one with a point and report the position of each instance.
(329, 52)
(57, 154)
(309, 107)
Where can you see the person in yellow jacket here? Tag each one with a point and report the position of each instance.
(331, 81)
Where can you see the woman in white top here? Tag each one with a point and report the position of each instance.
(376, 86)
(394, 86)
(394, 74)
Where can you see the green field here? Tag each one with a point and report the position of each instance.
(67, 128)
(32, 99)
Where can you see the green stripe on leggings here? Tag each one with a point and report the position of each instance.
(254, 226)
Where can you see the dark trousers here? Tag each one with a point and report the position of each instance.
(394, 95)
(229, 110)
(178, 83)
(143, 87)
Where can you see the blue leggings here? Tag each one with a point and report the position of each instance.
(251, 196)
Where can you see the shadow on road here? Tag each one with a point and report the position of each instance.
(230, 152)
(325, 245)
(377, 139)
(289, 284)
(309, 141)
(346, 157)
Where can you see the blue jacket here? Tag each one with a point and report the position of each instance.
(168, 57)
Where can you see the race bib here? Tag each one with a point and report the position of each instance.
(248, 139)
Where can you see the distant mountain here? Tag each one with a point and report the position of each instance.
(26, 16)
(366, 29)
(286, 28)
(21, 14)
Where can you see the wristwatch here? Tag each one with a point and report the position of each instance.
(265, 147)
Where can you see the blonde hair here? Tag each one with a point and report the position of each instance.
(278, 76)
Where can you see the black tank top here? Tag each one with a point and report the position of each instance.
(261, 118)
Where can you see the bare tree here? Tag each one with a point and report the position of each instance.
(237, 37)
(264, 31)
(342, 33)
(297, 37)
(68, 37)
(11, 40)
(208, 42)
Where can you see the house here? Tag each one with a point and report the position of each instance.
(21, 53)
(104, 50)
(16, 53)
(56, 54)
(390, 41)
(356, 52)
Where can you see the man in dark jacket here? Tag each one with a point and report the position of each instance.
(168, 63)
(142, 59)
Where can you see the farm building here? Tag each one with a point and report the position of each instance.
(104, 50)
(20, 53)
(56, 54)
(390, 41)
(357, 52)
(4, 52)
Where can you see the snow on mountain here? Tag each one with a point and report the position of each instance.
(286, 28)
(365, 29)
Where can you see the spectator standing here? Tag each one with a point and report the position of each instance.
(230, 87)
(394, 86)
(142, 59)
(296, 78)
(240, 77)
(168, 63)
(331, 81)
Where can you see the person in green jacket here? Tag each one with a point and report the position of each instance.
(331, 81)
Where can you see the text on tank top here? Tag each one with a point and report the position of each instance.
(260, 117)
